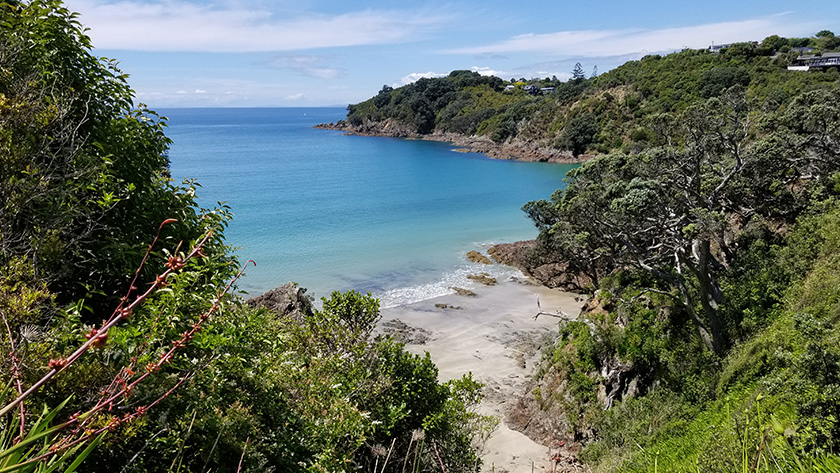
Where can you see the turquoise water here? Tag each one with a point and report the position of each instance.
(333, 212)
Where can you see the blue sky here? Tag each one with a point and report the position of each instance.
(328, 52)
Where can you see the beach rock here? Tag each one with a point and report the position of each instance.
(463, 292)
(288, 299)
(404, 333)
(483, 278)
(477, 257)
(447, 306)
(524, 255)
(513, 254)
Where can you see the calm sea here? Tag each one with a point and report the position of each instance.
(332, 212)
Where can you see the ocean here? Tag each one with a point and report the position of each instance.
(333, 212)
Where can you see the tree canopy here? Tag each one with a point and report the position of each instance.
(162, 368)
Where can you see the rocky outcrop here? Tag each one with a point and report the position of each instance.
(404, 333)
(388, 128)
(543, 419)
(519, 150)
(448, 307)
(477, 257)
(288, 299)
(513, 254)
(524, 256)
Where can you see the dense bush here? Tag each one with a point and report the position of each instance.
(714, 257)
(179, 375)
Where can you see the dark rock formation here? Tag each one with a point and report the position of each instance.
(513, 254)
(462, 292)
(520, 150)
(477, 257)
(524, 255)
(483, 278)
(288, 299)
(447, 306)
(404, 333)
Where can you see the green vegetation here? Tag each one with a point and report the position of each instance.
(711, 341)
(610, 112)
(161, 368)
(709, 229)
(705, 230)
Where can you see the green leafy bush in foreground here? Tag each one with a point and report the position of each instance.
(174, 374)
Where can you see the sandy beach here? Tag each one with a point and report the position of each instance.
(494, 336)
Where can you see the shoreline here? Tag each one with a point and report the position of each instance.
(495, 337)
(514, 151)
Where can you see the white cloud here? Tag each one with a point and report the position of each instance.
(178, 25)
(415, 76)
(486, 71)
(311, 66)
(299, 96)
(159, 99)
(200, 91)
(634, 40)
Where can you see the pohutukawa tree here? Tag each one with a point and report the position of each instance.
(675, 210)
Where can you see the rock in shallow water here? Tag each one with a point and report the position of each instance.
(483, 278)
(462, 292)
(477, 257)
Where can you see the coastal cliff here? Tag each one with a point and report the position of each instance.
(519, 150)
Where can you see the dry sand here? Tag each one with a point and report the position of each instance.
(494, 336)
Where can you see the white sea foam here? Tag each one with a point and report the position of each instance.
(443, 286)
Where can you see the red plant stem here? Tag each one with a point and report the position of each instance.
(166, 357)
(132, 286)
(122, 378)
(243, 455)
(100, 430)
(16, 375)
(758, 453)
(104, 329)
(434, 445)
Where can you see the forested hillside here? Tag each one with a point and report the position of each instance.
(610, 112)
(711, 338)
(707, 240)
(122, 343)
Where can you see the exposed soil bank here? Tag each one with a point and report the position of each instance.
(514, 150)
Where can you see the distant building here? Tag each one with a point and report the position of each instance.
(546, 90)
(808, 61)
(531, 89)
(715, 48)
(509, 88)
